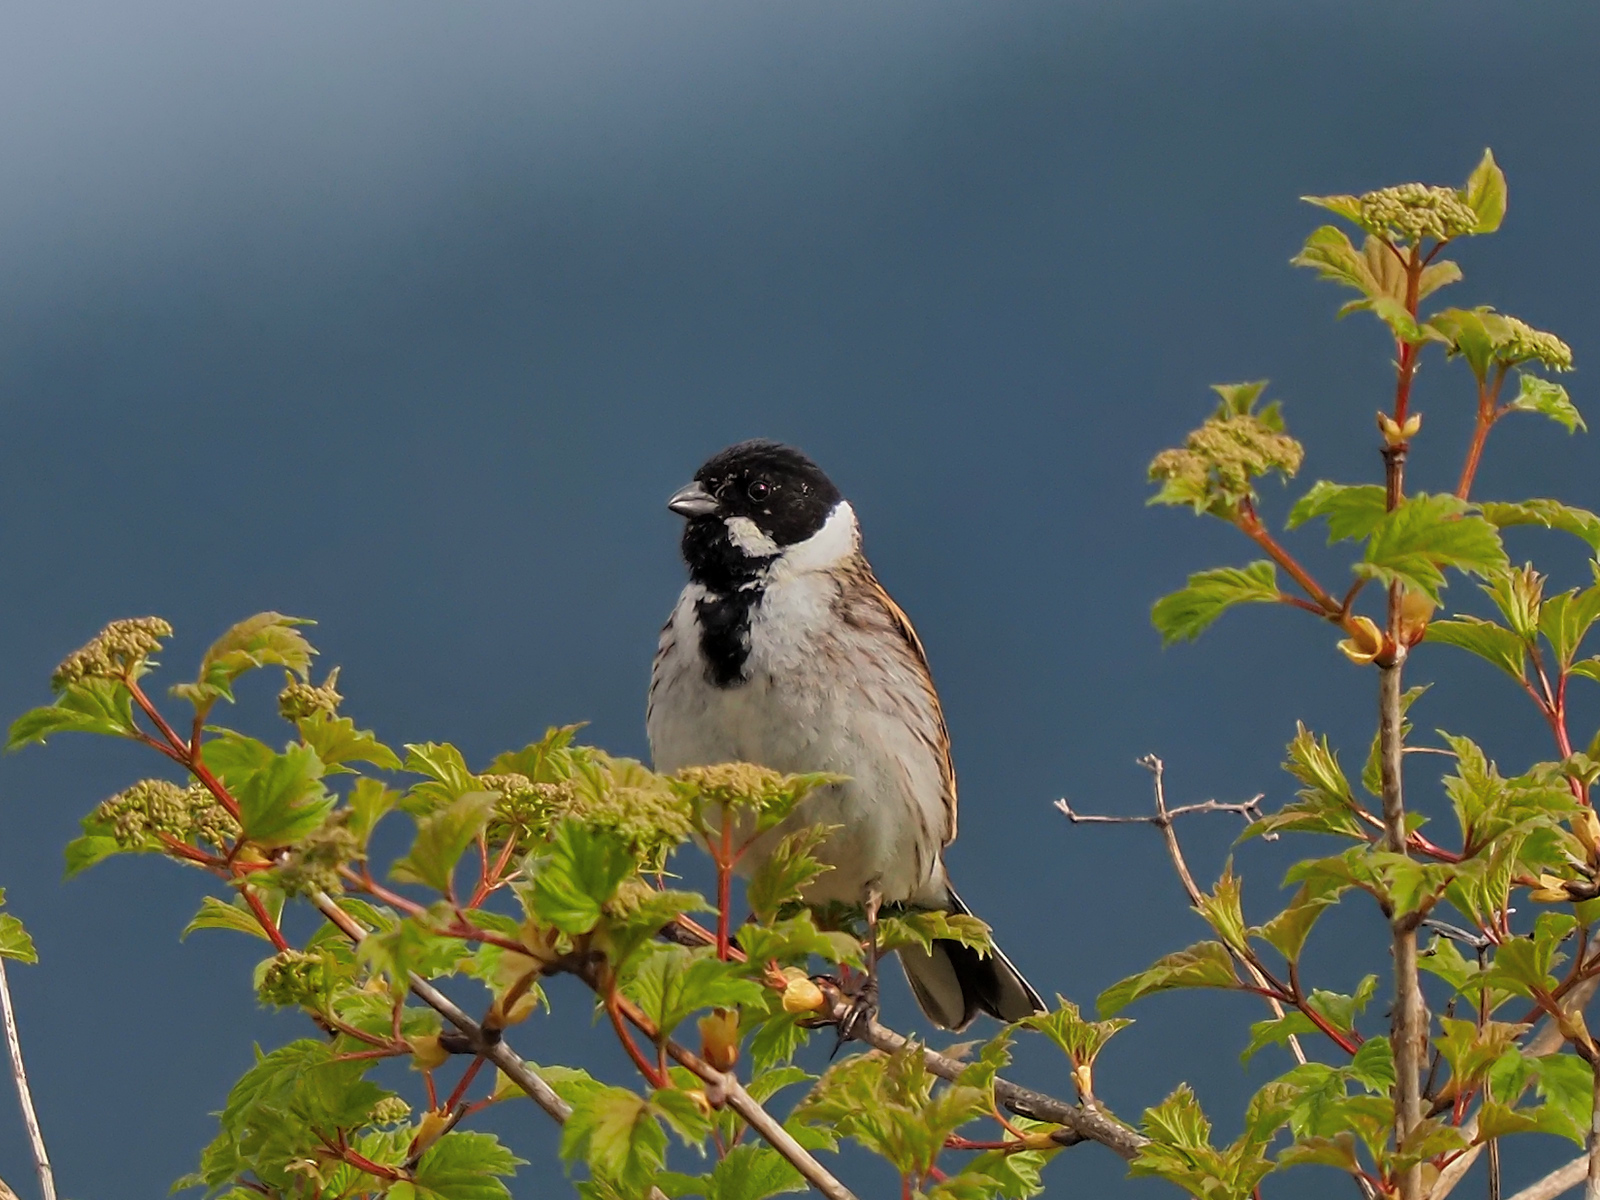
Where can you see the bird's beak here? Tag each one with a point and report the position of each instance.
(692, 501)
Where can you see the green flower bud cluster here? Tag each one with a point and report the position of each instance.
(312, 864)
(1413, 211)
(1525, 343)
(391, 1110)
(294, 980)
(615, 794)
(119, 649)
(1218, 461)
(156, 806)
(735, 785)
(300, 700)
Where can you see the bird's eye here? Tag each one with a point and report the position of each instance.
(758, 490)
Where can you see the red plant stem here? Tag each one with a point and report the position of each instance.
(492, 879)
(1297, 998)
(955, 1142)
(1257, 533)
(362, 1163)
(467, 1077)
(1488, 413)
(264, 919)
(181, 749)
(186, 851)
(380, 1052)
(366, 883)
(724, 883)
(646, 1068)
(433, 1096)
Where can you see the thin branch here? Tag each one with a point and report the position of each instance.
(41, 1160)
(1250, 810)
(1079, 1124)
(1562, 1179)
(724, 1088)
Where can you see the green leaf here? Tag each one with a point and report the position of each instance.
(1203, 965)
(1325, 804)
(581, 872)
(285, 799)
(337, 741)
(1552, 514)
(1185, 614)
(1340, 1010)
(369, 801)
(1353, 511)
(234, 758)
(441, 841)
(784, 874)
(218, 914)
(923, 927)
(1565, 620)
(448, 778)
(1373, 1065)
(1493, 643)
(672, 982)
(256, 641)
(1468, 332)
(746, 1173)
(1287, 932)
(1445, 960)
(462, 1166)
(14, 940)
(1276, 1032)
(82, 853)
(87, 706)
(1080, 1040)
(616, 1133)
(1424, 535)
(796, 938)
(1485, 194)
(1542, 396)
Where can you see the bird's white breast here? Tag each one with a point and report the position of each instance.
(817, 695)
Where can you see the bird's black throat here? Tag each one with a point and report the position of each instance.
(734, 583)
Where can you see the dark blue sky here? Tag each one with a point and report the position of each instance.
(407, 318)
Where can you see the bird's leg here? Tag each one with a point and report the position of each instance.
(864, 997)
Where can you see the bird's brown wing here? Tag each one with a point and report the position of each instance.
(866, 605)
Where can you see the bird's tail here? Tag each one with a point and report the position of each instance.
(953, 983)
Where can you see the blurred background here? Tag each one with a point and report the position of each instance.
(409, 317)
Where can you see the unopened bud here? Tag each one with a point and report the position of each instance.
(426, 1052)
(1587, 828)
(502, 1016)
(1574, 1029)
(802, 996)
(1551, 890)
(1416, 610)
(719, 1036)
(701, 1101)
(1083, 1080)
(1365, 641)
(429, 1130)
(1041, 1139)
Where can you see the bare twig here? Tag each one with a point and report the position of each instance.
(6, 1193)
(1249, 809)
(19, 1073)
(1562, 1179)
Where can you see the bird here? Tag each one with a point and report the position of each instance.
(785, 651)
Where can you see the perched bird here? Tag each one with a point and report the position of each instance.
(785, 651)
